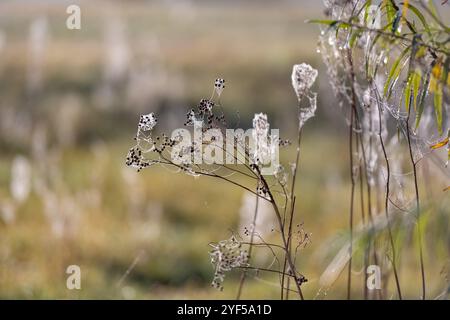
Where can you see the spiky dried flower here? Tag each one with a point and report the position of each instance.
(219, 85)
(205, 106)
(303, 77)
(147, 122)
(226, 256)
(136, 159)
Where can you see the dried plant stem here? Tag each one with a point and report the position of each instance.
(363, 214)
(353, 115)
(362, 149)
(386, 204)
(265, 270)
(290, 241)
(291, 265)
(352, 200)
(369, 206)
(355, 121)
(416, 188)
(292, 197)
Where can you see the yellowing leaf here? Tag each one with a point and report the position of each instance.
(433, 84)
(440, 144)
(437, 70)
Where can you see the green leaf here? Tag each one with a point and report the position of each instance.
(394, 73)
(438, 106)
(420, 16)
(412, 89)
(417, 77)
(319, 21)
(434, 14)
(354, 36)
(396, 22)
(355, 17)
(423, 95)
(372, 45)
(366, 10)
(390, 11)
(407, 93)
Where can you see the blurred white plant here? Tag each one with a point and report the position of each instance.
(265, 216)
(117, 49)
(37, 43)
(62, 212)
(71, 107)
(8, 212)
(20, 179)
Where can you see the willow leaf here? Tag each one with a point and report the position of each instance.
(390, 12)
(319, 21)
(354, 36)
(366, 10)
(438, 106)
(396, 22)
(419, 15)
(423, 96)
(394, 73)
(407, 93)
(417, 78)
(440, 144)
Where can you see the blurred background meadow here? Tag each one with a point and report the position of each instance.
(69, 104)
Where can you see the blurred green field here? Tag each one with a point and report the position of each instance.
(76, 126)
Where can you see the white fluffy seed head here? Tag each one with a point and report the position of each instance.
(303, 77)
(262, 152)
